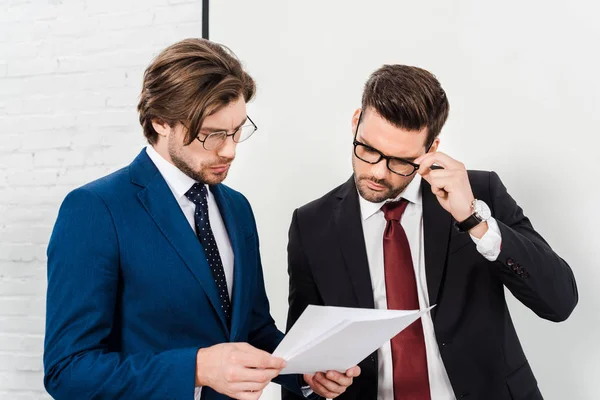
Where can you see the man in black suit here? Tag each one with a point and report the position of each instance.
(412, 228)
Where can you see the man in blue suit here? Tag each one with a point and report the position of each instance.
(155, 285)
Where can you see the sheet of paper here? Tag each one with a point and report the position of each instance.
(338, 338)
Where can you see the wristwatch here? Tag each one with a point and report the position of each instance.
(481, 213)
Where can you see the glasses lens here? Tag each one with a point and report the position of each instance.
(401, 167)
(366, 154)
(214, 140)
(244, 133)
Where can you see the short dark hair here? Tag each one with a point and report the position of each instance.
(187, 82)
(408, 97)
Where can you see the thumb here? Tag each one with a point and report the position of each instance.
(308, 378)
(424, 172)
(353, 372)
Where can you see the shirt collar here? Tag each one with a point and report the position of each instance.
(412, 193)
(178, 182)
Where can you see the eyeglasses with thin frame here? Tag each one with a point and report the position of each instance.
(370, 155)
(216, 139)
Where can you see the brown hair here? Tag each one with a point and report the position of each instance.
(187, 82)
(407, 97)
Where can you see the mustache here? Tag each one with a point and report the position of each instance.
(220, 161)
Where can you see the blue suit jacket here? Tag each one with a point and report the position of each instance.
(131, 298)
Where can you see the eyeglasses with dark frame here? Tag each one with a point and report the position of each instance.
(216, 139)
(370, 155)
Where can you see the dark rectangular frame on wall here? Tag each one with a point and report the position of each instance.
(205, 19)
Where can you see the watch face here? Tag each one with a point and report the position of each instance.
(482, 210)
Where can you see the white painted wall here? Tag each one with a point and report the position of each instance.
(70, 74)
(522, 80)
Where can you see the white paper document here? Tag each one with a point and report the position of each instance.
(338, 338)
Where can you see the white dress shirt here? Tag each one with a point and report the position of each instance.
(374, 223)
(180, 183)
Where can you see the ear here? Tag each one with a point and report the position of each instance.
(162, 128)
(355, 118)
(435, 145)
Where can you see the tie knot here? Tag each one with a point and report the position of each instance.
(197, 194)
(393, 210)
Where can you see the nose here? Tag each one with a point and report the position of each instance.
(380, 170)
(227, 149)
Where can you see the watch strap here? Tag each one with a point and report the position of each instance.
(468, 223)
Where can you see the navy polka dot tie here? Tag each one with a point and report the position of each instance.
(198, 195)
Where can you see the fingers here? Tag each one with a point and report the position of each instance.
(450, 185)
(339, 378)
(309, 378)
(441, 181)
(320, 389)
(241, 375)
(246, 387)
(248, 395)
(240, 371)
(430, 174)
(249, 368)
(327, 387)
(353, 372)
(441, 173)
(444, 182)
(442, 159)
(425, 162)
(440, 193)
(245, 383)
(332, 383)
(252, 357)
(426, 169)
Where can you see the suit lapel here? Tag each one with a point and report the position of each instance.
(437, 225)
(159, 202)
(347, 220)
(240, 294)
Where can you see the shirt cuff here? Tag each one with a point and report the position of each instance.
(304, 387)
(490, 244)
(306, 391)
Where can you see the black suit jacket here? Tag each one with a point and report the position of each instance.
(479, 346)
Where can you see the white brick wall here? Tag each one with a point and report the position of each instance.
(70, 73)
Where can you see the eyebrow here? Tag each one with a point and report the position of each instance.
(411, 159)
(211, 129)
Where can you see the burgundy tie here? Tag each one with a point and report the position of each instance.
(411, 379)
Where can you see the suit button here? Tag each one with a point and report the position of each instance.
(510, 262)
(521, 271)
(525, 275)
(515, 267)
